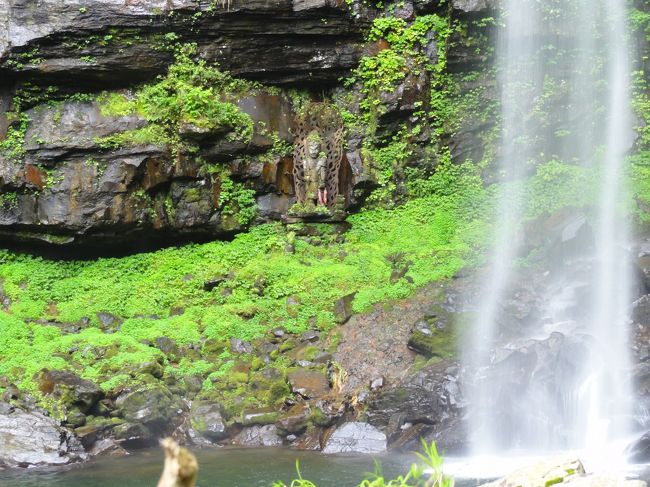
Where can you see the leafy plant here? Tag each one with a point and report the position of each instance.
(428, 473)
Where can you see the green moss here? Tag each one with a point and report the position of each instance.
(191, 93)
(113, 104)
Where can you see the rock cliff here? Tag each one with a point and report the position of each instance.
(66, 178)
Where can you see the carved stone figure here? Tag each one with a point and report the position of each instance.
(317, 155)
(315, 171)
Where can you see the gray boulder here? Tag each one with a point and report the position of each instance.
(257, 436)
(356, 438)
(29, 438)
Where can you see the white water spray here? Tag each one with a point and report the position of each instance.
(575, 53)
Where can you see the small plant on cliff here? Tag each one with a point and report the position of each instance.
(13, 146)
(236, 199)
(402, 51)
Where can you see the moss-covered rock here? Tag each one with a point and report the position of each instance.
(156, 408)
(435, 335)
(69, 390)
(206, 419)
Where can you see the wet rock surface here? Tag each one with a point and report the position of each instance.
(356, 438)
(29, 438)
(266, 435)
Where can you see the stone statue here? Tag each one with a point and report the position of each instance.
(318, 153)
(315, 171)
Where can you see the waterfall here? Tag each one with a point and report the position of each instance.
(564, 78)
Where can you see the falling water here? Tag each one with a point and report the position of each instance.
(563, 70)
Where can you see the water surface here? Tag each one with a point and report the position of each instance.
(229, 467)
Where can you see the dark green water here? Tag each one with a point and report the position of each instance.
(221, 467)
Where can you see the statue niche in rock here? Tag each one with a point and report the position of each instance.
(317, 157)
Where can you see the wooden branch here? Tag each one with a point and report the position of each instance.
(180, 467)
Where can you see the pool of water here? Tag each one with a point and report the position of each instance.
(221, 467)
(229, 467)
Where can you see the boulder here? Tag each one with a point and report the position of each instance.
(154, 408)
(29, 438)
(133, 435)
(257, 436)
(356, 438)
(293, 421)
(603, 481)
(69, 389)
(343, 308)
(206, 420)
(259, 416)
(96, 429)
(240, 346)
(433, 337)
(107, 447)
(561, 471)
(431, 397)
(473, 5)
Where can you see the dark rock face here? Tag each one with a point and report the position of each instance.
(31, 439)
(639, 450)
(429, 403)
(70, 189)
(104, 42)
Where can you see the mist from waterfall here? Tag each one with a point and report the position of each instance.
(563, 70)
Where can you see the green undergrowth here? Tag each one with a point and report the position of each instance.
(161, 293)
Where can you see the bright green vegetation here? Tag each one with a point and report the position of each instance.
(237, 200)
(13, 145)
(440, 234)
(188, 97)
(426, 473)
(407, 54)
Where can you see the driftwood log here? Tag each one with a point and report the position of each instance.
(180, 467)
